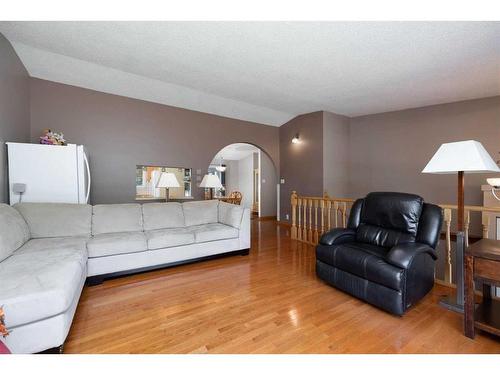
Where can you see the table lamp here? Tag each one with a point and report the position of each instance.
(460, 157)
(211, 181)
(167, 180)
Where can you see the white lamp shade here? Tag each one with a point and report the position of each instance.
(167, 180)
(466, 156)
(210, 181)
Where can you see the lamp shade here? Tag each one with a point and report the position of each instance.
(167, 180)
(464, 156)
(210, 181)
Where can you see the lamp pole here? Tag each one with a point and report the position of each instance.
(460, 202)
(457, 303)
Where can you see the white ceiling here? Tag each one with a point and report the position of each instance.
(235, 151)
(268, 72)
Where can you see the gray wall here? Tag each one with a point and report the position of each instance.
(14, 107)
(121, 132)
(388, 151)
(301, 164)
(245, 179)
(232, 176)
(335, 154)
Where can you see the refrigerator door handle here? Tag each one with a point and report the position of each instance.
(87, 168)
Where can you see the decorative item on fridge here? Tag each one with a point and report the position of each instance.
(52, 138)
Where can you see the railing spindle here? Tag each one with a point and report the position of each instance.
(304, 230)
(336, 212)
(466, 227)
(344, 214)
(315, 235)
(310, 232)
(329, 213)
(299, 228)
(485, 222)
(322, 209)
(293, 232)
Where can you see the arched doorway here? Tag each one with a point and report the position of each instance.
(247, 169)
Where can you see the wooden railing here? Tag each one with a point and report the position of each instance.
(313, 216)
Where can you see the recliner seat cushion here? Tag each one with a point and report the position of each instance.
(107, 244)
(116, 218)
(200, 212)
(56, 219)
(162, 215)
(389, 218)
(363, 260)
(214, 232)
(14, 231)
(41, 279)
(164, 238)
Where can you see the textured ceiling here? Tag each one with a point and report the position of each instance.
(235, 151)
(269, 72)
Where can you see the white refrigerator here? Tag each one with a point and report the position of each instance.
(46, 173)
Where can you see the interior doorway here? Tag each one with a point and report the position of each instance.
(247, 171)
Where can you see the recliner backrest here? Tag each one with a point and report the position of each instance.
(387, 218)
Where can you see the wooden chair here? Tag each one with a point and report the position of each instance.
(234, 198)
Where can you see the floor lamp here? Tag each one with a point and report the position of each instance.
(460, 158)
(211, 181)
(167, 180)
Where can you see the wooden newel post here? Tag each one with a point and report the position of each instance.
(293, 233)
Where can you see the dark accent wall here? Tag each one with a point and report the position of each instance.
(336, 154)
(301, 164)
(388, 151)
(14, 107)
(120, 132)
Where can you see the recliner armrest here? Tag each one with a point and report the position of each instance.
(337, 236)
(402, 255)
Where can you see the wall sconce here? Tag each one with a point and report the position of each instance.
(296, 139)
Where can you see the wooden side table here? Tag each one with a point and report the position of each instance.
(482, 264)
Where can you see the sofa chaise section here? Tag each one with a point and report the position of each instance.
(43, 278)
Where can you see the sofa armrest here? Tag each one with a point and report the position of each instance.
(245, 229)
(403, 254)
(337, 236)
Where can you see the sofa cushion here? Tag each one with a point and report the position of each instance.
(56, 219)
(363, 260)
(115, 218)
(201, 212)
(14, 231)
(41, 279)
(213, 232)
(162, 215)
(230, 214)
(106, 244)
(162, 238)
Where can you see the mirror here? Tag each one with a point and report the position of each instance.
(147, 176)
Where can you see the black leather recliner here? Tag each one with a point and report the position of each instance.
(386, 254)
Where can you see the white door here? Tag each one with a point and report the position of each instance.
(50, 173)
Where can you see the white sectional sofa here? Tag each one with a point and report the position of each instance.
(49, 250)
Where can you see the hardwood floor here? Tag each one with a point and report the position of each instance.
(267, 302)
